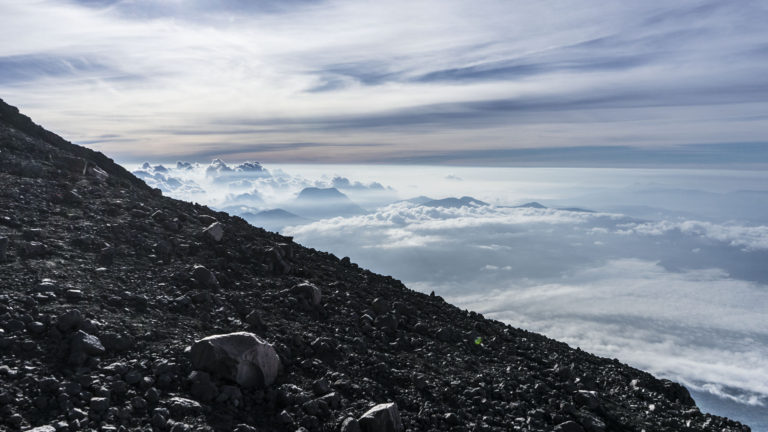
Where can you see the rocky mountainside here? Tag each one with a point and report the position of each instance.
(122, 309)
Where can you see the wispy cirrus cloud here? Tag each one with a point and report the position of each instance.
(437, 77)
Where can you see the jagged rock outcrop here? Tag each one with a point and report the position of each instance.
(100, 299)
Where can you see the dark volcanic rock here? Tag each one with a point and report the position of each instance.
(84, 345)
(205, 278)
(240, 357)
(308, 292)
(3, 248)
(381, 418)
(148, 281)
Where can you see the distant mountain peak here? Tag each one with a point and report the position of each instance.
(321, 193)
(465, 201)
(532, 204)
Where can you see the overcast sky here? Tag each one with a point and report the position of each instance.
(450, 82)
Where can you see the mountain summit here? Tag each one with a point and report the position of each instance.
(321, 203)
(122, 309)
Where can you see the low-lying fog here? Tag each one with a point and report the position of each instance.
(666, 270)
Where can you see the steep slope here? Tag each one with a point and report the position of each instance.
(102, 292)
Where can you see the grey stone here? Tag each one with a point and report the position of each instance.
(206, 219)
(106, 256)
(380, 306)
(14, 325)
(311, 407)
(84, 345)
(181, 407)
(286, 417)
(34, 249)
(382, 418)
(205, 277)
(321, 387)
(275, 258)
(139, 403)
(240, 357)
(586, 398)
(332, 399)
(99, 404)
(569, 426)
(72, 388)
(90, 344)
(309, 292)
(69, 320)
(180, 427)
(215, 231)
(47, 286)
(74, 295)
(36, 327)
(116, 342)
(591, 422)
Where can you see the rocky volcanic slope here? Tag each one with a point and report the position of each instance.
(102, 293)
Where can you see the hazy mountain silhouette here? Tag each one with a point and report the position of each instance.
(321, 203)
(455, 202)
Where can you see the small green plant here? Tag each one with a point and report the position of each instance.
(478, 340)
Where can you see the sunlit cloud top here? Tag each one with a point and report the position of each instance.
(511, 82)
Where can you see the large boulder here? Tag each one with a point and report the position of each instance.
(382, 418)
(69, 320)
(205, 278)
(215, 231)
(309, 292)
(241, 357)
(84, 345)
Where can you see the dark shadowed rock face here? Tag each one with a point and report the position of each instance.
(97, 318)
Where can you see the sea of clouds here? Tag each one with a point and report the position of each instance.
(664, 270)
